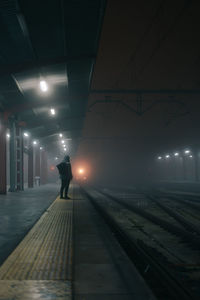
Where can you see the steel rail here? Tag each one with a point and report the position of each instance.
(186, 236)
(190, 203)
(178, 217)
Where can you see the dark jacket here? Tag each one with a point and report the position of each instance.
(65, 170)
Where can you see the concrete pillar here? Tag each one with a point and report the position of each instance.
(184, 168)
(196, 166)
(12, 156)
(37, 161)
(43, 170)
(30, 166)
(20, 159)
(3, 182)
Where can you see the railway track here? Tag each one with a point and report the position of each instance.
(174, 229)
(185, 201)
(147, 259)
(178, 216)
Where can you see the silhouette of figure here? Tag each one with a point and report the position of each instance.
(65, 172)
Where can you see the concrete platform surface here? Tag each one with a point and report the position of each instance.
(19, 211)
(41, 265)
(69, 253)
(34, 289)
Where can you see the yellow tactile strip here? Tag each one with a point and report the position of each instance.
(46, 251)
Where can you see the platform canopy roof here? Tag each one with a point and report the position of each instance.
(55, 41)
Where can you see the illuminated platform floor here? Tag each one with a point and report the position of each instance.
(19, 211)
(41, 266)
(70, 253)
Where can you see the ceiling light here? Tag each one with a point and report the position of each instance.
(26, 134)
(43, 86)
(176, 154)
(34, 142)
(8, 135)
(41, 148)
(187, 151)
(60, 135)
(62, 141)
(191, 156)
(167, 156)
(65, 149)
(56, 158)
(52, 111)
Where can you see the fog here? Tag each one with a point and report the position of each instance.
(123, 148)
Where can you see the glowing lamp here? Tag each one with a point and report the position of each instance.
(52, 111)
(187, 151)
(43, 86)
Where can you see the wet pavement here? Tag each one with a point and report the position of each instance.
(19, 211)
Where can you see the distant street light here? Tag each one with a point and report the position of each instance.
(187, 151)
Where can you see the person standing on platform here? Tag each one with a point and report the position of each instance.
(65, 172)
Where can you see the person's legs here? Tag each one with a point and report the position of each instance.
(63, 183)
(66, 188)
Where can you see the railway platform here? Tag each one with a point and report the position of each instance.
(67, 253)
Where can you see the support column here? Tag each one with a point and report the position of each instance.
(30, 166)
(43, 167)
(184, 168)
(20, 159)
(3, 182)
(12, 156)
(37, 163)
(196, 166)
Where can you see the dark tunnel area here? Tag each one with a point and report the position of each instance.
(99, 149)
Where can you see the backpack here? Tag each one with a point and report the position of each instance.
(61, 168)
